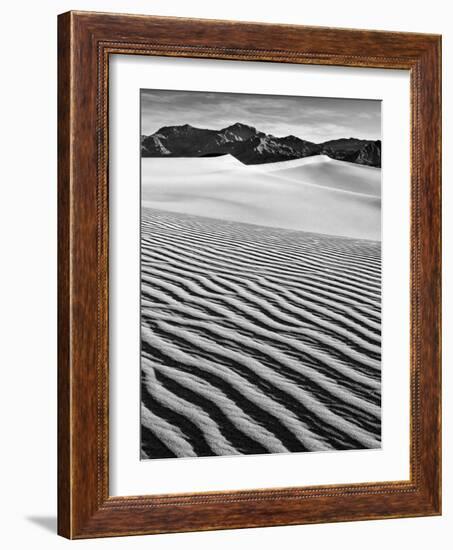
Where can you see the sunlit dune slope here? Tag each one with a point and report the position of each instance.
(315, 194)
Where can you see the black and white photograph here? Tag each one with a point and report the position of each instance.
(225, 283)
(260, 268)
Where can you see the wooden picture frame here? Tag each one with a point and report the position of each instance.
(85, 42)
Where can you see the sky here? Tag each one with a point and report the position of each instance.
(314, 119)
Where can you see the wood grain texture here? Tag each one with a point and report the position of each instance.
(64, 370)
(85, 42)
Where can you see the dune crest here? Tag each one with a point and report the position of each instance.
(316, 194)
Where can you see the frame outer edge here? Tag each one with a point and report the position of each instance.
(433, 220)
(427, 272)
(65, 488)
(82, 510)
(438, 170)
(81, 275)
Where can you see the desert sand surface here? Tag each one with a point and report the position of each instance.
(256, 339)
(314, 194)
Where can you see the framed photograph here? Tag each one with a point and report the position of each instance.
(249, 275)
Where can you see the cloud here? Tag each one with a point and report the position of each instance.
(312, 118)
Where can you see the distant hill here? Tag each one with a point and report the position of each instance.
(251, 146)
(360, 151)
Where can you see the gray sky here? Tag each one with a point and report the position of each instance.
(312, 118)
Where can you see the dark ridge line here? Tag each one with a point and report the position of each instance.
(275, 319)
(335, 309)
(199, 243)
(354, 414)
(307, 287)
(192, 433)
(304, 414)
(252, 226)
(239, 440)
(252, 410)
(215, 232)
(253, 147)
(152, 446)
(171, 277)
(222, 268)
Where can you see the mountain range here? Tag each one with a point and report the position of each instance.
(250, 146)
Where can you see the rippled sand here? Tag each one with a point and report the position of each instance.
(257, 339)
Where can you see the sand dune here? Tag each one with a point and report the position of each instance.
(315, 194)
(327, 172)
(256, 339)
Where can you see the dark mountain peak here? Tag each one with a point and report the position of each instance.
(174, 130)
(360, 151)
(294, 140)
(251, 146)
(152, 146)
(239, 126)
(351, 141)
(266, 148)
(238, 131)
(370, 154)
